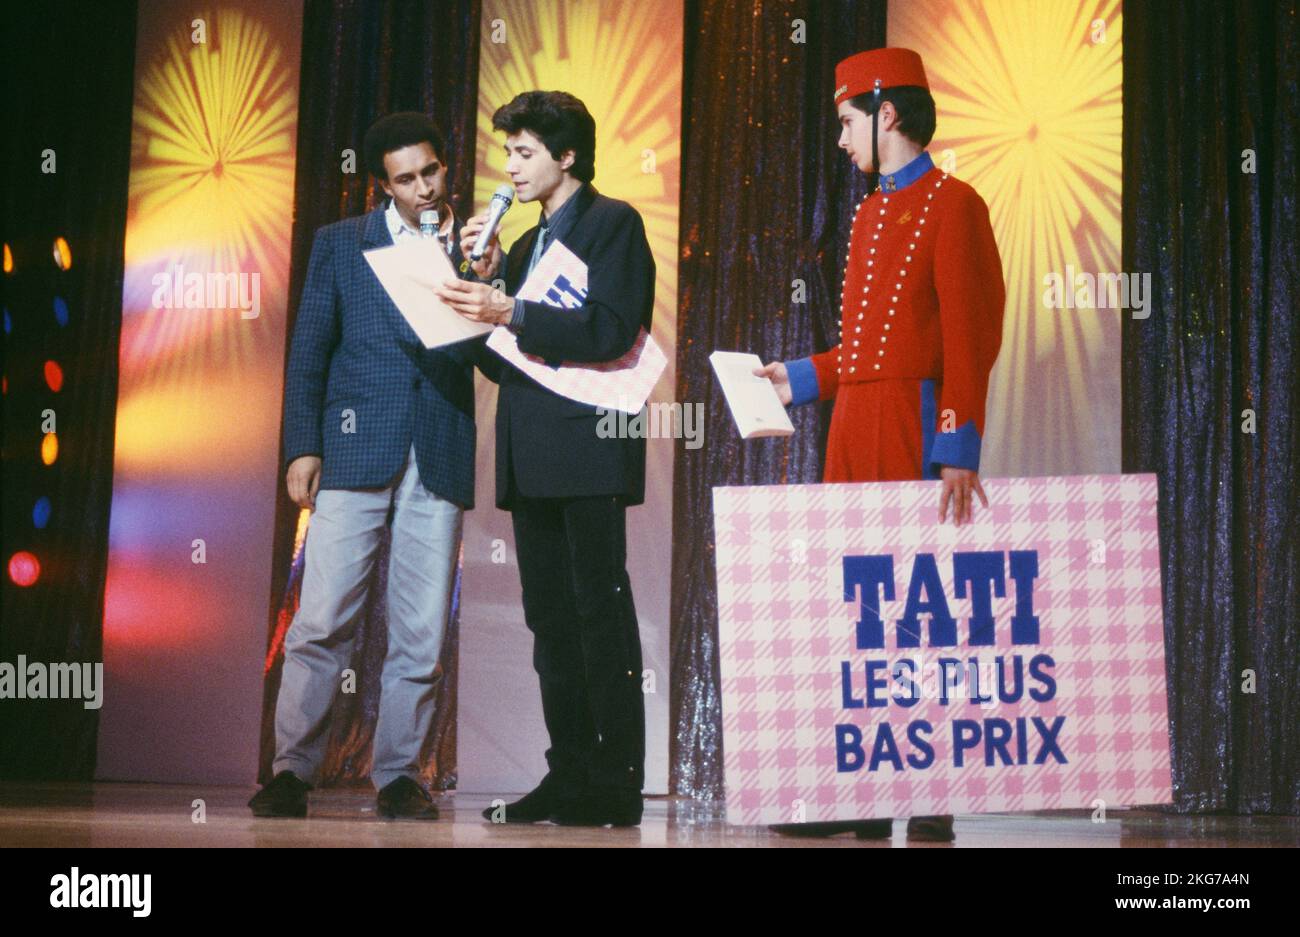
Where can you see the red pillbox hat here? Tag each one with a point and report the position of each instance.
(859, 74)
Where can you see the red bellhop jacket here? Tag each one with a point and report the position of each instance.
(920, 325)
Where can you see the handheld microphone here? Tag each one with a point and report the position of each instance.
(502, 199)
(429, 222)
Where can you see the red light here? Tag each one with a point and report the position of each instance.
(24, 568)
(54, 376)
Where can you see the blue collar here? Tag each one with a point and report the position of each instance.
(908, 174)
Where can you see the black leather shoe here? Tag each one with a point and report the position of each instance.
(404, 799)
(931, 829)
(535, 806)
(284, 796)
(600, 807)
(862, 829)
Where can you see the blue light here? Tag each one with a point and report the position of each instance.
(8, 325)
(41, 513)
(60, 310)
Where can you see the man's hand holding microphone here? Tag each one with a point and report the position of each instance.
(481, 301)
(486, 266)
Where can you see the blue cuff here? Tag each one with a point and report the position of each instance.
(803, 381)
(960, 448)
(516, 317)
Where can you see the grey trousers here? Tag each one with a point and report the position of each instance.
(342, 541)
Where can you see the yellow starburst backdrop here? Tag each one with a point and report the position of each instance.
(212, 172)
(1030, 111)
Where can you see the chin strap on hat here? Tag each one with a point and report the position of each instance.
(875, 117)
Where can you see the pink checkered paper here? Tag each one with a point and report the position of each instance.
(560, 280)
(784, 629)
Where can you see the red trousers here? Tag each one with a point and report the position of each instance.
(881, 431)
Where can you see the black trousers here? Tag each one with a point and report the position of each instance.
(586, 647)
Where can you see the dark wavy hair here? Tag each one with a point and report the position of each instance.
(559, 120)
(396, 131)
(915, 108)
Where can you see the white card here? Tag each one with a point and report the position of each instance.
(409, 271)
(754, 404)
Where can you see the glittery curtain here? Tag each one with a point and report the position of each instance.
(362, 60)
(1210, 392)
(767, 199)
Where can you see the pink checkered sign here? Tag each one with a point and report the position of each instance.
(877, 663)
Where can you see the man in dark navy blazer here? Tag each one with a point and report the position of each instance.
(375, 425)
(567, 488)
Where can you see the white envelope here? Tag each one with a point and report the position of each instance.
(754, 404)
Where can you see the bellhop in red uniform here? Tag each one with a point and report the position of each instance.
(921, 307)
(920, 319)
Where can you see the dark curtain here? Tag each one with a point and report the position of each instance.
(1205, 80)
(361, 60)
(69, 76)
(767, 200)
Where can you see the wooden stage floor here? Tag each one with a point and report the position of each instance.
(106, 814)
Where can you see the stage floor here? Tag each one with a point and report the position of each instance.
(119, 814)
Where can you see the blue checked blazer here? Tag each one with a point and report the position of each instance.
(360, 387)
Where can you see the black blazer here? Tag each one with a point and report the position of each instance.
(547, 445)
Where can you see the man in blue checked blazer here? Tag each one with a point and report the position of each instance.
(375, 425)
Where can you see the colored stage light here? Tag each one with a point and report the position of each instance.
(8, 323)
(54, 376)
(300, 534)
(9, 260)
(50, 448)
(24, 568)
(62, 254)
(41, 512)
(60, 310)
